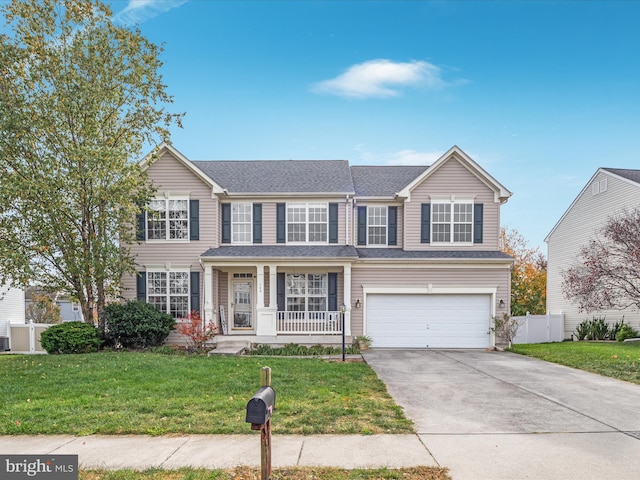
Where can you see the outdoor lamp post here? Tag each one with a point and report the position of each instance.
(343, 308)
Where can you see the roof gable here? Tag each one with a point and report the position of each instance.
(628, 175)
(148, 160)
(502, 194)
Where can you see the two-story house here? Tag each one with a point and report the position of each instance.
(296, 251)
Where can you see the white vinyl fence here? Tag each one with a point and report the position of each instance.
(540, 328)
(26, 338)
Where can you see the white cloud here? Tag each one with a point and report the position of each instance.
(138, 11)
(412, 157)
(401, 157)
(381, 78)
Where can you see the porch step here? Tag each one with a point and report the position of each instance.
(229, 348)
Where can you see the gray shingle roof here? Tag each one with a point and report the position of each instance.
(280, 176)
(383, 181)
(283, 251)
(629, 174)
(398, 254)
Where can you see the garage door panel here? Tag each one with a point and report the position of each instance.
(428, 321)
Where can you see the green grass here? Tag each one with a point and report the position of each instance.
(612, 359)
(416, 473)
(154, 394)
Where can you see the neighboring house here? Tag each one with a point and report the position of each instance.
(11, 312)
(273, 249)
(70, 311)
(608, 192)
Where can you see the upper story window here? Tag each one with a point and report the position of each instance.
(452, 222)
(168, 219)
(307, 222)
(599, 186)
(241, 222)
(377, 225)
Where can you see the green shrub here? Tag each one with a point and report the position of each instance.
(136, 325)
(583, 330)
(599, 329)
(626, 331)
(71, 337)
(292, 349)
(614, 329)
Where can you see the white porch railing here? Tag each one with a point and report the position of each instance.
(327, 323)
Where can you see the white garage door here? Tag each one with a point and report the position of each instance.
(428, 321)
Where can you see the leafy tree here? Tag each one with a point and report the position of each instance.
(79, 98)
(528, 274)
(43, 309)
(606, 273)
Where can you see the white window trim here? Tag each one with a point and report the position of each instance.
(452, 200)
(306, 295)
(168, 271)
(250, 241)
(386, 226)
(166, 198)
(306, 241)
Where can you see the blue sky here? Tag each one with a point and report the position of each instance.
(539, 93)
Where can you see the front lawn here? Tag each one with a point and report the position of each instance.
(154, 394)
(612, 359)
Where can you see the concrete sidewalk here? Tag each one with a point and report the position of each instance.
(226, 451)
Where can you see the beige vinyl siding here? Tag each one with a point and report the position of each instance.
(580, 224)
(452, 178)
(269, 223)
(171, 176)
(410, 275)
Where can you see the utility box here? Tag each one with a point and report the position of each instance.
(4, 343)
(261, 405)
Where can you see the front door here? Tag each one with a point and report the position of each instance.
(242, 304)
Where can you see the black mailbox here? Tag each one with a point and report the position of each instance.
(260, 407)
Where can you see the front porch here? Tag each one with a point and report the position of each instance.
(278, 301)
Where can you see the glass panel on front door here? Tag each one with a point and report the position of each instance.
(242, 305)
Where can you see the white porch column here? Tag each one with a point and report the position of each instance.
(266, 325)
(273, 286)
(347, 297)
(260, 286)
(208, 294)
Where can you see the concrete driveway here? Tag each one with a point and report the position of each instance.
(497, 415)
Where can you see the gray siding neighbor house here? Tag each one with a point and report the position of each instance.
(609, 191)
(301, 250)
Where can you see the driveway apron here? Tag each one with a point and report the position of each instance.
(498, 415)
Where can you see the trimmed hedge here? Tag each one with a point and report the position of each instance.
(136, 324)
(71, 337)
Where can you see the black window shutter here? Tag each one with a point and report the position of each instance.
(140, 224)
(226, 223)
(141, 286)
(257, 223)
(281, 292)
(195, 291)
(477, 222)
(333, 223)
(362, 225)
(425, 223)
(333, 292)
(392, 230)
(281, 222)
(194, 220)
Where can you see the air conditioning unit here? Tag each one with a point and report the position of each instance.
(4, 344)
